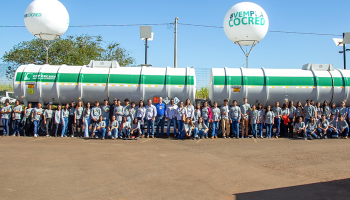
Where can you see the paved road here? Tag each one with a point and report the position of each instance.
(74, 168)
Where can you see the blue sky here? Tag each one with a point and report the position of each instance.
(201, 47)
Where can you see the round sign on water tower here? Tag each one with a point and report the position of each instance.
(246, 23)
(46, 19)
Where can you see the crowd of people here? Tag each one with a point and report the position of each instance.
(133, 121)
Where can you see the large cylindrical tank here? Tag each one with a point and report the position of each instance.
(63, 84)
(315, 82)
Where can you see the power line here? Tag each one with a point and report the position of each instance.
(184, 24)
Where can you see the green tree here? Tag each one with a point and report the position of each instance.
(72, 50)
(202, 93)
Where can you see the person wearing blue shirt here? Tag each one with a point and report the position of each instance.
(160, 119)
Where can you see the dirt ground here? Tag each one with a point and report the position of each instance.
(74, 168)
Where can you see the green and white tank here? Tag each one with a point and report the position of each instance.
(315, 82)
(63, 84)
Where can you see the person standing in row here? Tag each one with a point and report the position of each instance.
(245, 108)
(269, 121)
(87, 120)
(57, 119)
(206, 114)
(170, 115)
(5, 117)
(319, 110)
(277, 121)
(71, 120)
(235, 116)
(96, 112)
(261, 120)
(343, 111)
(292, 115)
(225, 122)
(126, 110)
(189, 109)
(216, 119)
(179, 114)
(65, 117)
(27, 118)
(37, 116)
(118, 111)
(299, 112)
(47, 115)
(140, 114)
(160, 118)
(79, 119)
(150, 116)
(284, 120)
(326, 109)
(16, 116)
(105, 112)
(111, 108)
(132, 111)
(334, 110)
(309, 111)
(197, 112)
(254, 118)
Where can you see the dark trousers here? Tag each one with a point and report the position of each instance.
(27, 127)
(79, 124)
(284, 129)
(136, 133)
(48, 125)
(71, 125)
(290, 127)
(55, 128)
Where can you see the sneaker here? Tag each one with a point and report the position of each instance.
(216, 137)
(224, 137)
(194, 138)
(305, 138)
(345, 137)
(61, 136)
(102, 138)
(147, 136)
(212, 137)
(276, 136)
(237, 137)
(310, 137)
(152, 136)
(325, 137)
(65, 136)
(72, 136)
(35, 136)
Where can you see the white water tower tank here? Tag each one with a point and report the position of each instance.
(46, 19)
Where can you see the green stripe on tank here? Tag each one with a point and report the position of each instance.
(102, 78)
(279, 81)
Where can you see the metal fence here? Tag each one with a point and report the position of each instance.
(202, 77)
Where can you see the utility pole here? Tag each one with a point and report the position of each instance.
(175, 50)
(344, 51)
(146, 47)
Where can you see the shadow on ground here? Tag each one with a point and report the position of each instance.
(332, 190)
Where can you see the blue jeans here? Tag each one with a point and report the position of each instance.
(261, 127)
(150, 124)
(215, 127)
(320, 132)
(235, 128)
(5, 124)
(268, 130)
(64, 126)
(36, 127)
(278, 126)
(142, 127)
(179, 126)
(114, 133)
(307, 121)
(16, 127)
(86, 124)
(160, 120)
(254, 129)
(331, 133)
(169, 122)
(182, 134)
(198, 132)
(107, 122)
(309, 132)
(345, 133)
(125, 132)
(101, 133)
